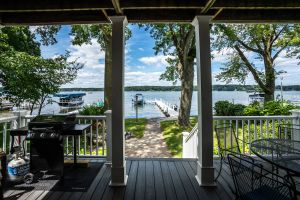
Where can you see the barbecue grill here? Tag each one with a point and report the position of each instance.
(46, 135)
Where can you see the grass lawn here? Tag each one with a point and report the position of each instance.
(172, 134)
(136, 127)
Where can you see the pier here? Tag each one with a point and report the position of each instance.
(169, 110)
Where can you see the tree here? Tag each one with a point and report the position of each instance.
(256, 42)
(24, 74)
(83, 34)
(177, 42)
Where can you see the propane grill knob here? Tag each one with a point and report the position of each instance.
(43, 135)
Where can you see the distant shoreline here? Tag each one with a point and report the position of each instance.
(248, 88)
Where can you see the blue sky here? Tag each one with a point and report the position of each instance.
(142, 66)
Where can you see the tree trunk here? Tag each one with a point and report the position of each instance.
(41, 104)
(270, 78)
(108, 75)
(187, 84)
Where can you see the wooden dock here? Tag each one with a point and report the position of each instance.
(169, 110)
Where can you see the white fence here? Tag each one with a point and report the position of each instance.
(95, 141)
(6, 124)
(245, 129)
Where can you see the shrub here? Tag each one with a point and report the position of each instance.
(269, 108)
(253, 109)
(92, 110)
(225, 108)
(277, 108)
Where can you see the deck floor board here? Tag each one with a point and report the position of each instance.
(150, 178)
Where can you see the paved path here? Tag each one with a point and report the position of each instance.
(151, 145)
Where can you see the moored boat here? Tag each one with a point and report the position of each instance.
(5, 104)
(257, 97)
(70, 99)
(138, 99)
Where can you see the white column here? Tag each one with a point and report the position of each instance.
(205, 170)
(118, 172)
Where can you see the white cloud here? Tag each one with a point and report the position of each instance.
(141, 49)
(157, 61)
(92, 74)
(87, 79)
(138, 78)
(88, 54)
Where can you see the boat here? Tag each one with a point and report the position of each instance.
(257, 97)
(138, 99)
(5, 104)
(70, 99)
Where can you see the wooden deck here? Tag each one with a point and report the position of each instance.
(151, 178)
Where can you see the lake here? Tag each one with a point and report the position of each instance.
(149, 110)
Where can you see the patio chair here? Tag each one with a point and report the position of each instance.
(228, 142)
(286, 131)
(252, 183)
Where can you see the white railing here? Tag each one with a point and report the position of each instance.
(190, 143)
(95, 141)
(244, 128)
(6, 124)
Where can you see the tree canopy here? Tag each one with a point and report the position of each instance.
(24, 74)
(177, 42)
(253, 49)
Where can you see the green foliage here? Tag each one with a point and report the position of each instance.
(92, 110)
(137, 127)
(24, 75)
(177, 43)
(277, 108)
(225, 108)
(269, 108)
(21, 39)
(172, 134)
(253, 109)
(264, 42)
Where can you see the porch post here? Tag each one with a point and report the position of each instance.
(205, 170)
(118, 172)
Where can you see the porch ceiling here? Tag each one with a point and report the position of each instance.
(96, 11)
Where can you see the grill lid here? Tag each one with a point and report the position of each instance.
(58, 121)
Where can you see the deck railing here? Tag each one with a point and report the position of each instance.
(245, 129)
(6, 124)
(94, 142)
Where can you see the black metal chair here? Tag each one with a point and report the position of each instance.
(286, 131)
(253, 182)
(229, 142)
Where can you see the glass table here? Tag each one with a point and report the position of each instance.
(282, 153)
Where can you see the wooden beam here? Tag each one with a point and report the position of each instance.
(254, 4)
(117, 7)
(43, 18)
(217, 13)
(163, 15)
(258, 16)
(200, 4)
(162, 4)
(207, 6)
(53, 5)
